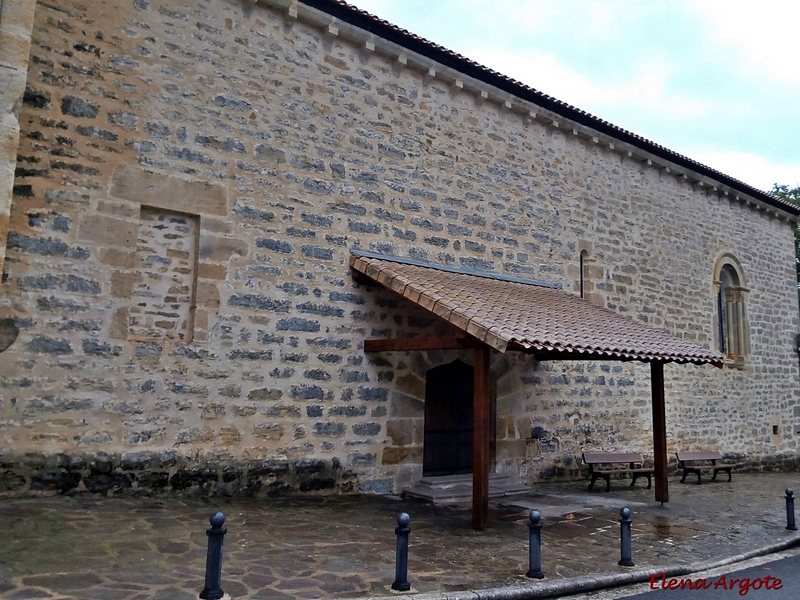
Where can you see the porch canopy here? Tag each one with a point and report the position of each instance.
(513, 314)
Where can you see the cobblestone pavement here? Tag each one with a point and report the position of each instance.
(343, 547)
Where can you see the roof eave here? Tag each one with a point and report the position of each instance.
(363, 20)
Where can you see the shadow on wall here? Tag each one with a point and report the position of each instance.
(551, 457)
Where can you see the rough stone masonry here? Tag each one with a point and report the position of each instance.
(191, 176)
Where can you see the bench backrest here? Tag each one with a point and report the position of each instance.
(596, 458)
(685, 456)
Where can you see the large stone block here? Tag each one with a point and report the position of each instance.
(12, 80)
(122, 284)
(106, 230)
(211, 271)
(118, 257)
(214, 248)
(207, 294)
(168, 191)
(403, 405)
(407, 454)
(401, 431)
(411, 385)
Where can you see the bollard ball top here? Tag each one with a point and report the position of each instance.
(217, 519)
(535, 517)
(625, 513)
(789, 492)
(403, 519)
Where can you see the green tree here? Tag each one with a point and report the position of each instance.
(791, 195)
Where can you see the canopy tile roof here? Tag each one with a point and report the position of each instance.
(511, 314)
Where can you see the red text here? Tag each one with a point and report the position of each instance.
(742, 584)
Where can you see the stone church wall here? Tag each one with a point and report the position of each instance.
(191, 177)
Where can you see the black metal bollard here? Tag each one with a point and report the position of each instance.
(401, 560)
(790, 510)
(535, 553)
(625, 537)
(215, 533)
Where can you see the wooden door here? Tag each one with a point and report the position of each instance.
(447, 446)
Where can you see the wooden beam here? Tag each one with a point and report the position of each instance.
(420, 343)
(362, 279)
(659, 431)
(480, 439)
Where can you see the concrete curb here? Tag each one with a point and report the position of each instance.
(591, 583)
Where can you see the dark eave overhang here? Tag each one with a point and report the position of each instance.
(383, 29)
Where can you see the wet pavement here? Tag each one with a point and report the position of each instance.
(343, 547)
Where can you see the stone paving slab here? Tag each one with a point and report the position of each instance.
(87, 546)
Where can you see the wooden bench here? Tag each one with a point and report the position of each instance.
(695, 462)
(606, 464)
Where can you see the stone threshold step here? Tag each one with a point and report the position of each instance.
(449, 481)
(454, 489)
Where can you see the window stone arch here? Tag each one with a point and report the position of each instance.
(731, 326)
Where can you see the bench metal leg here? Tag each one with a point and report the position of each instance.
(595, 476)
(728, 471)
(636, 476)
(695, 471)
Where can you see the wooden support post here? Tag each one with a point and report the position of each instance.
(480, 439)
(659, 431)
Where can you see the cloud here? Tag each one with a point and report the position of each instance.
(753, 169)
(720, 77)
(586, 19)
(645, 89)
(763, 34)
(379, 8)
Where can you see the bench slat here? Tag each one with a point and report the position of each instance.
(695, 462)
(612, 460)
(683, 456)
(617, 457)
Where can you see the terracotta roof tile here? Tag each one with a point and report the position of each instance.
(528, 316)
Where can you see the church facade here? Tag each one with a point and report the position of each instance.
(192, 182)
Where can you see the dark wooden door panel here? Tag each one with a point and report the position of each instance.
(447, 446)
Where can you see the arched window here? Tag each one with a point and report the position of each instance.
(732, 331)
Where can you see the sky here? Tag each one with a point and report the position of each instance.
(715, 80)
